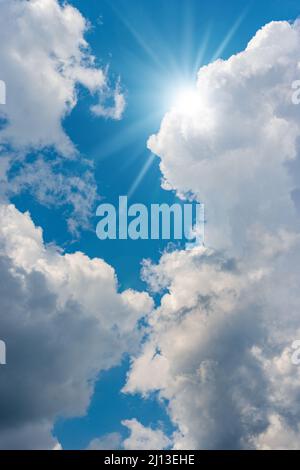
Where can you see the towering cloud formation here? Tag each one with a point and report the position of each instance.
(63, 321)
(219, 348)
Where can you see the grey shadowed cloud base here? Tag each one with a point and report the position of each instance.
(59, 336)
(54, 307)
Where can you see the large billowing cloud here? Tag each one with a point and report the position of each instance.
(144, 438)
(140, 438)
(219, 347)
(44, 59)
(63, 321)
(237, 148)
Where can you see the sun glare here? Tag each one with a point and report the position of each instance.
(186, 100)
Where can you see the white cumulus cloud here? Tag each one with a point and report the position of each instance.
(44, 56)
(63, 321)
(44, 59)
(219, 342)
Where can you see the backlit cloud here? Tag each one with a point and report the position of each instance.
(219, 348)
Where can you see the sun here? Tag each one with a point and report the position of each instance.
(185, 100)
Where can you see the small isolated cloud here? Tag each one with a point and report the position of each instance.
(57, 446)
(116, 109)
(63, 322)
(43, 66)
(55, 185)
(237, 166)
(144, 438)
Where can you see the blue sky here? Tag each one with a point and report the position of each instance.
(154, 47)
